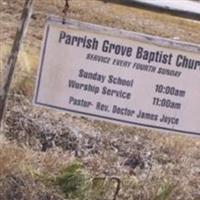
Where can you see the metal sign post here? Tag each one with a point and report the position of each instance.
(11, 63)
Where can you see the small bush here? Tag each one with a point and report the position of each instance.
(74, 182)
(164, 192)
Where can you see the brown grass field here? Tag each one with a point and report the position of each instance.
(48, 155)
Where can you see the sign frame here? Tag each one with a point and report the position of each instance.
(144, 38)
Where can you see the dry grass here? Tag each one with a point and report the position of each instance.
(20, 168)
(134, 19)
(158, 166)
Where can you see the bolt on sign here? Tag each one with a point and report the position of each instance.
(120, 76)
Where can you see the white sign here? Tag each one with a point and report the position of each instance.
(120, 76)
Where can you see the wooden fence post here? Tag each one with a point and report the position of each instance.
(10, 65)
